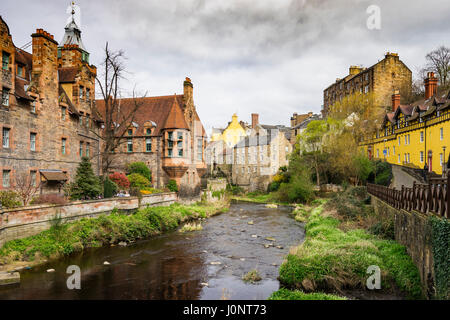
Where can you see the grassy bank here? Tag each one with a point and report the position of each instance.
(64, 239)
(258, 197)
(285, 294)
(339, 248)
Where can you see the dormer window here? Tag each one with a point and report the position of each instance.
(130, 132)
(81, 92)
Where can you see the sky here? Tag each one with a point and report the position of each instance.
(271, 57)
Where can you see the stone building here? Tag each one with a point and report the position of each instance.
(257, 158)
(231, 134)
(168, 136)
(47, 116)
(381, 79)
(300, 125)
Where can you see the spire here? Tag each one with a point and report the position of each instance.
(72, 35)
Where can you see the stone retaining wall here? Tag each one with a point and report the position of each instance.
(27, 221)
(414, 232)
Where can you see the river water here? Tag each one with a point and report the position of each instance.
(177, 265)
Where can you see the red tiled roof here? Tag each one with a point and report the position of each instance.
(67, 75)
(175, 119)
(151, 109)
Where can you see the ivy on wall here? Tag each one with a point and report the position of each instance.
(440, 242)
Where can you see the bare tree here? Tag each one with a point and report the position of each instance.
(116, 120)
(438, 61)
(25, 187)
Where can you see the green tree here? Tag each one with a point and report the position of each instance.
(87, 184)
(138, 181)
(140, 168)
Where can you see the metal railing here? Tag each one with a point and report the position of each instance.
(431, 198)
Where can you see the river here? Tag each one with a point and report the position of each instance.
(177, 265)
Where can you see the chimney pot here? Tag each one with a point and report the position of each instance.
(395, 100)
(255, 120)
(430, 85)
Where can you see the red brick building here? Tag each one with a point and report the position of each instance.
(48, 119)
(168, 136)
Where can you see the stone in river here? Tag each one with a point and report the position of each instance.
(271, 205)
(106, 263)
(254, 236)
(280, 247)
(122, 243)
(250, 222)
(266, 246)
(9, 278)
(242, 259)
(204, 284)
(270, 239)
(216, 262)
(50, 270)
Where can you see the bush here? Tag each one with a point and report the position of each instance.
(138, 181)
(110, 188)
(299, 189)
(140, 168)
(120, 180)
(273, 186)
(172, 186)
(10, 199)
(49, 199)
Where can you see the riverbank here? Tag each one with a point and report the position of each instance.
(106, 230)
(256, 197)
(339, 248)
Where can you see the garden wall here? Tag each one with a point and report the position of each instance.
(27, 221)
(412, 229)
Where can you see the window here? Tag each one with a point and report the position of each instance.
(409, 139)
(81, 149)
(33, 106)
(87, 120)
(33, 141)
(406, 139)
(5, 97)
(399, 160)
(388, 152)
(88, 147)
(441, 159)
(88, 91)
(20, 71)
(399, 141)
(366, 77)
(170, 135)
(81, 92)
(366, 89)
(63, 145)
(421, 156)
(81, 119)
(148, 144)
(6, 178)
(393, 150)
(148, 131)
(180, 148)
(169, 152)
(408, 157)
(33, 174)
(180, 135)
(130, 132)
(421, 136)
(63, 113)
(200, 149)
(130, 145)
(378, 153)
(441, 132)
(6, 137)
(5, 60)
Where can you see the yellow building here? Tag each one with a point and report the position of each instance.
(231, 135)
(415, 135)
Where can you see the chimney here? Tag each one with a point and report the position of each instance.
(45, 56)
(430, 85)
(395, 100)
(188, 93)
(255, 120)
(354, 70)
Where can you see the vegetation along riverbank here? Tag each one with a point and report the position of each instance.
(344, 238)
(64, 239)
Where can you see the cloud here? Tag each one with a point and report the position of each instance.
(273, 57)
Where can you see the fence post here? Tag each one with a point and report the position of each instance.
(447, 208)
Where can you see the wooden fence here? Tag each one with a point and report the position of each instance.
(426, 198)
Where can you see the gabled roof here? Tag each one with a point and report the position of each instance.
(64, 97)
(154, 109)
(175, 119)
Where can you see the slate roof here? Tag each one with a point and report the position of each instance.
(251, 141)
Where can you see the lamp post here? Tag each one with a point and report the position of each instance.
(443, 160)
